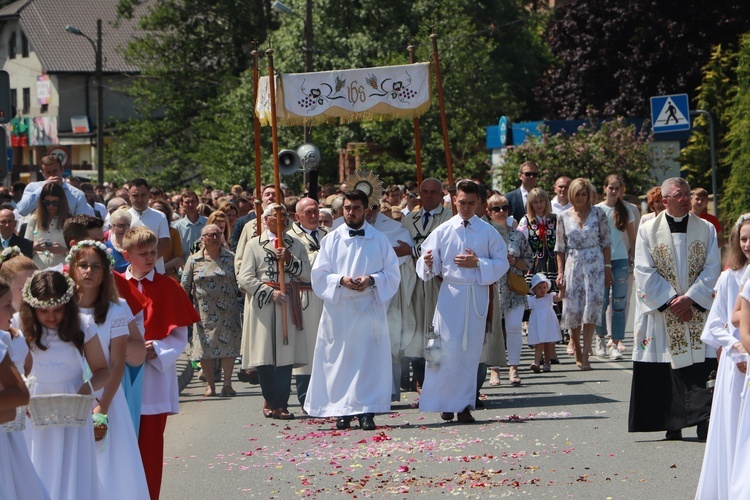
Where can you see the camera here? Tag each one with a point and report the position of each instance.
(47, 243)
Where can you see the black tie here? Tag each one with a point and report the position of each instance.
(466, 223)
(426, 219)
(357, 232)
(314, 234)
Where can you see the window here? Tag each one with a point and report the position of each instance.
(24, 45)
(12, 45)
(26, 101)
(44, 108)
(13, 102)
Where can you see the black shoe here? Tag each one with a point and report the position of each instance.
(253, 379)
(367, 422)
(343, 423)
(554, 361)
(243, 376)
(479, 404)
(674, 435)
(702, 430)
(447, 415)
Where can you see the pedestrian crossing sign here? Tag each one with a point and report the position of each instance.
(670, 113)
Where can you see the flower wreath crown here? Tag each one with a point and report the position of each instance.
(90, 244)
(9, 253)
(48, 304)
(743, 218)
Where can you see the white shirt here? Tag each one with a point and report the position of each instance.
(155, 221)
(557, 207)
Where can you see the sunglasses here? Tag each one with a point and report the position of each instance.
(48, 203)
(531, 174)
(504, 208)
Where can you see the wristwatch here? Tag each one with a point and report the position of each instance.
(372, 281)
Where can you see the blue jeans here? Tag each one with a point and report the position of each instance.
(620, 270)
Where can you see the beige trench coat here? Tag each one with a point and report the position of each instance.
(261, 329)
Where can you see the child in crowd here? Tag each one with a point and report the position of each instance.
(118, 458)
(720, 333)
(166, 319)
(15, 270)
(544, 329)
(18, 478)
(85, 227)
(59, 338)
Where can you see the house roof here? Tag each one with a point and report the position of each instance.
(44, 21)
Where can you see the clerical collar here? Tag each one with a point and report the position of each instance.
(677, 224)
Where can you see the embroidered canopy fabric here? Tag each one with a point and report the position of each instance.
(351, 95)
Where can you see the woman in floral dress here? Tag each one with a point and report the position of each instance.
(583, 258)
(209, 279)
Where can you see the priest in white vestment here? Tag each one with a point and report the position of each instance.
(402, 324)
(469, 255)
(356, 274)
(676, 268)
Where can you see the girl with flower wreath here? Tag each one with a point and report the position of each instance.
(118, 459)
(18, 478)
(15, 269)
(60, 339)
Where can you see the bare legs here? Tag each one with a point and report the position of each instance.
(582, 355)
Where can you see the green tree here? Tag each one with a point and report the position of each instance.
(594, 151)
(715, 94)
(491, 52)
(192, 55)
(736, 200)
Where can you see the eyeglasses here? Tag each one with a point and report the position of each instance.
(120, 226)
(48, 203)
(678, 197)
(504, 208)
(95, 268)
(531, 174)
(213, 236)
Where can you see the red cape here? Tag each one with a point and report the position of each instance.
(169, 307)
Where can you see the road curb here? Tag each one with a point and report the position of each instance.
(184, 371)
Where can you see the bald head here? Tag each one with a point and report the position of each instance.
(431, 193)
(7, 223)
(307, 213)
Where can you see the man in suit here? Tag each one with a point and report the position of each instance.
(529, 174)
(8, 238)
(420, 224)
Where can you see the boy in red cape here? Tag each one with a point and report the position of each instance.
(166, 319)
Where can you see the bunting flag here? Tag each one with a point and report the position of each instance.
(347, 96)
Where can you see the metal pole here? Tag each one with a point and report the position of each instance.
(714, 189)
(99, 104)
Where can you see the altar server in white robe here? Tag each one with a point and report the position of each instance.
(402, 324)
(719, 332)
(356, 274)
(469, 255)
(676, 269)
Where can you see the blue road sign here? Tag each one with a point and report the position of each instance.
(670, 113)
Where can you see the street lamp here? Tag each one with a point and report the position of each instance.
(99, 94)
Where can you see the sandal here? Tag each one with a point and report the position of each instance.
(535, 368)
(570, 350)
(621, 347)
(494, 377)
(546, 368)
(210, 392)
(513, 377)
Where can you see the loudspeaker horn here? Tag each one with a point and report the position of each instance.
(288, 162)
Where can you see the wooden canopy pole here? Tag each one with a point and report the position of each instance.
(277, 185)
(417, 140)
(256, 128)
(443, 119)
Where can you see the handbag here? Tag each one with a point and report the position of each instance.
(517, 283)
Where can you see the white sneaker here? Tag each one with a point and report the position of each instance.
(601, 347)
(614, 353)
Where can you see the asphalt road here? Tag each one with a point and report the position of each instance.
(559, 435)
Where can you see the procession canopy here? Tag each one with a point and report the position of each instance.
(352, 95)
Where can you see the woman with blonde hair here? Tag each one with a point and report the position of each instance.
(584, 265)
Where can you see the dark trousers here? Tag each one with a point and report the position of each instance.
(481, 377)
(303, 382)
(275, 384)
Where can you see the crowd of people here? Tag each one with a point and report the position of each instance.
(356, 298)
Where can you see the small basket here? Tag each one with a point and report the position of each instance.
(17, 424)
(60, 410)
